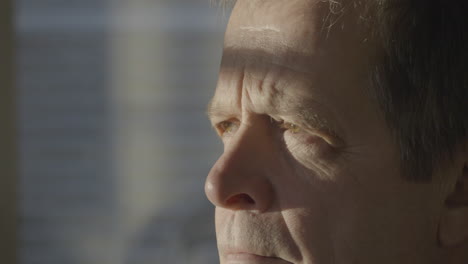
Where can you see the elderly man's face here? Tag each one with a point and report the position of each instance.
(309, 172)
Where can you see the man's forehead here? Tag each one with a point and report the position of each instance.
(273, 25)
(295, 33)
(269, 75)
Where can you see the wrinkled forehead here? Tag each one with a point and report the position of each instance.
(271, 25)
(300, 25)
(326, 31)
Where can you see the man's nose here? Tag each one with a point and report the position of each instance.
(241, 178)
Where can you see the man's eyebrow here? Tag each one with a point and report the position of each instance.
(214, 111)
(317, 121)
(312, 115)
(209, 109)
(309, 114)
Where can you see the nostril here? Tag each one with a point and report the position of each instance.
(240, 199)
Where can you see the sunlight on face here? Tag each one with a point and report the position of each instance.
(309, 172)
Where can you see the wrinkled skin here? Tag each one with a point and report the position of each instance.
(310, 172)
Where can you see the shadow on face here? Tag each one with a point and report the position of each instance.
(309, 173)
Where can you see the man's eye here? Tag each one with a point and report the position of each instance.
(293, 128)
(227, 127)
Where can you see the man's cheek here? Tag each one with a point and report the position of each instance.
(311, 230)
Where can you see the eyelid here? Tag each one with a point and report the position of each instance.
(327, 136)
(333, 141)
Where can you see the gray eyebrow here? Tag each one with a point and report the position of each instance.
(311, 114)
(307, 113)
(214, 110)
(209, 109)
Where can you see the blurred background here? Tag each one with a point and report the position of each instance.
(113, 137)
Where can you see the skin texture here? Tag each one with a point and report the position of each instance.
(310, 173)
